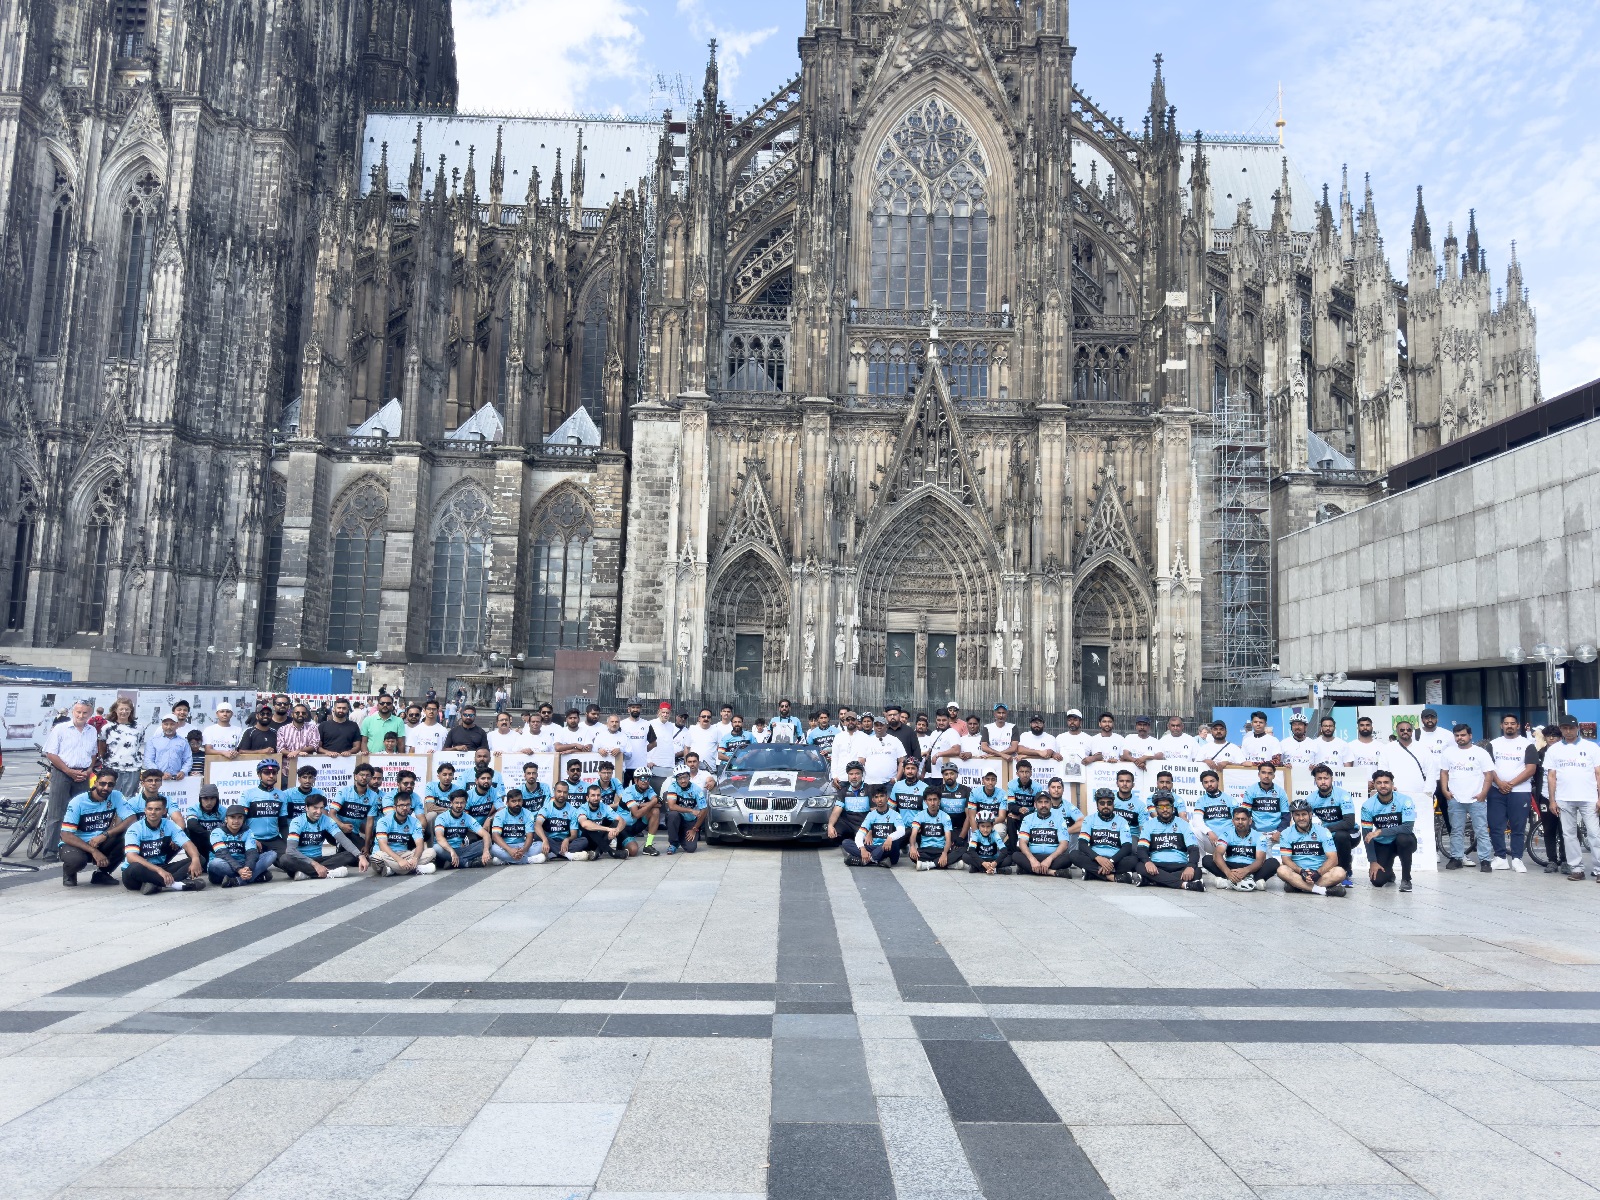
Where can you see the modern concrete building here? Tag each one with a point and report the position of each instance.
(1482, 553)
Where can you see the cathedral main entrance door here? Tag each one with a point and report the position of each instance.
(900, 669)
(941, 669)
(747, 652)
(1096, 681)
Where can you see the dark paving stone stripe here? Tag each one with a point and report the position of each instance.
(495, 990)
(259, 978)
(825, 1136)
(167, 963)
(1400, 1033)
(30, 1020)
(377, 1024)
(1025, 1162)
(524, 990)
(915, 956)
(986, 1081)
(1263, 997)
(825, 1162)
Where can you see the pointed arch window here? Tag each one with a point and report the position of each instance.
(97, 557)
(357, 580)
(461, 560)
(55, 271)
(139, 214)
(930, 217)
(561, 565)
(755, 364)
(592, 367)
(22, 555)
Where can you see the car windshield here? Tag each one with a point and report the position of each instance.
(778, 758)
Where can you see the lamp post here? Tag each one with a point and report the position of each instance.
(1552, 656)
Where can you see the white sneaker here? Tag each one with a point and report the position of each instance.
(533, 859)
(338, 872)
(425, 869)
(924, 865)
(1516, 865)
(1221, 884)
(1501, 864)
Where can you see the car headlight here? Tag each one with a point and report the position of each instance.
(820, 802)
(724, 802)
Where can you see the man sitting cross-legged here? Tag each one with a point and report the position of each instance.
(931, 835)
(158, 855)
(1043, 840)
(1105, 846)
(459, 840)
(400, 847)
(511, 829)
(311, 835)
(556, 827)
(236, 856)
(93, 826)
(1169, 856)
(1310, 858)
(874, 841)
(986, 852)
(1241, 855)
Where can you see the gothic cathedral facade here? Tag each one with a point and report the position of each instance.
(924, 380)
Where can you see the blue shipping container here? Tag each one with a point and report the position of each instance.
(319, 681)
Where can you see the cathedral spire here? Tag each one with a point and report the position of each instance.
(1282, 203)
(709, 93)
(380, 172)
(1158, 98)
(1474, 259)
(1325, 221)
(469, 182)
(555, 180)
(414, 184)
(1452, 251)
(497, 168)
(577, 174)
(1421, 235)
(1514, 276)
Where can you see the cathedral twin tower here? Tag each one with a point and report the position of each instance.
(924, 380)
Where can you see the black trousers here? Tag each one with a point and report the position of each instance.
(200, 836)
(975, 861)
(1550, 822)
(1343, 845)
(1080, 856)
(1262, 873)
(294, 863)
(470, 852)
(1165, 876)
(136, 875)
(1384, 854)
(74, 860)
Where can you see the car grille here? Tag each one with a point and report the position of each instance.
(770, 803)
(756, 803)
(784, 802)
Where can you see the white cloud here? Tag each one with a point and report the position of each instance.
(543, 55)
(1486, 106)
(733, 45)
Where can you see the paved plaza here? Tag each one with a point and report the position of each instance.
(768, 1022)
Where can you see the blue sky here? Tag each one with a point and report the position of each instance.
(1488, 106)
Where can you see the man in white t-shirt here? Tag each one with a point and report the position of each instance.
(1139, 747)
(1074, 742)
(1464, 775)
(724, 725)
(635, 742)
(702, 737)
(1572, 785)
(1176, 744)
(1034, 742)
(1219, 750)
(1511, 792)
(943, 743)
(1259, 745)
(850, 745)
(504, 739)
(428, 734)
(1331, 748)
(1367, 750)
(1105, 746)
(1299, 751)
(1000, 734)
(539, 736)
(666, 741)
(1410, 766)
(222, 736)
(882, 754)
(609, 741)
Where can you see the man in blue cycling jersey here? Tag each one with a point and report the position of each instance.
(909, 793)
(1388, 819)
(1129, 805)
(850, 803)
(1216, 809)
(1168, 854)
(986, 852)
(1043, 840)
(92, 828)
(235, 858)
(642, 803)
(556, 826)
(1335, 809)
(312, 836)
(511, 838)
(158, 855)
(1105, 844)
(265, 803)
(785, 727)
(874, 842)
(1241, 858)
(1021, 792)
(930, 836)
(1268, 801)
(1310, 862)
(459, 838)
(988, 800)
(1056, 792)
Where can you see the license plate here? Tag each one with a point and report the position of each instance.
(770, 818)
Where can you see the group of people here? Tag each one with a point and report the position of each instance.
(896, 778)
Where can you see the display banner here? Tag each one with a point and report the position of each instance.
(233, 776)
(388, 767)
(974, 769)
(512, 762)
(333, 774)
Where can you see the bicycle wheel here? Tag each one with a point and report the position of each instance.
(30, 822)
(36, 842)
(1534, 840)
(1441, 834)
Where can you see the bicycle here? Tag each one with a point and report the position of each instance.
(1535, 838)
(26, 819)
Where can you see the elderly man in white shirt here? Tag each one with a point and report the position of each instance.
(1572, 783)
(850, 744)
(881, 761)
(1176, 744)
(1034, 742)
(1073, 743)
(222, 736)
(70, 748)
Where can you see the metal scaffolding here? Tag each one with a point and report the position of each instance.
(1237, 631)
